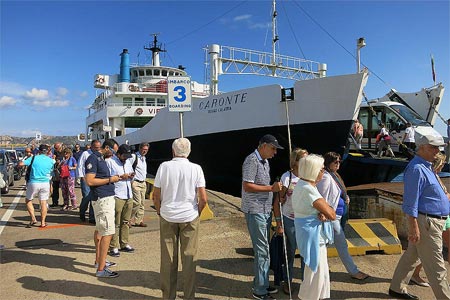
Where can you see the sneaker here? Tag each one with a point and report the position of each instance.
(107, 273)
(127, 248)
(263, 297)
(114, 253)
(272, 290)
(107, 265)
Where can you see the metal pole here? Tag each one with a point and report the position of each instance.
(288, 127)
(358, 61)
(181, 124)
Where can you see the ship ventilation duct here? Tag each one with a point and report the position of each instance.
(124, 66)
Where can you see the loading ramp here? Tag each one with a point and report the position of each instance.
(366, 236)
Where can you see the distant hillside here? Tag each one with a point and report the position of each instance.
(6, 141)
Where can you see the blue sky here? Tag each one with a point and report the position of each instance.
(51, 50)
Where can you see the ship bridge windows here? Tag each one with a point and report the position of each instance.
(148, 72)
(139, 101)
(170, 73)
(150, 101)
(164, 73)
(156, 72)
(135, 73)
(141, 72)
(160, 102)
(127, 101)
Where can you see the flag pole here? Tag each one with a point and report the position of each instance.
(432, 69)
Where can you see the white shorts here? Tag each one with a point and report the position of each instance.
(104, 210)
(40, 189)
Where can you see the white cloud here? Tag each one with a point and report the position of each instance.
(12, 88)
(61, 91)
(84, 94)
(36, 94)
(7, 101)
(242, 18)
(51, 103)
(259, 25)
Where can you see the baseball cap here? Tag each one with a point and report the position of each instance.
(43, 147)
(428, 139)
(270, 139)
(124, 149)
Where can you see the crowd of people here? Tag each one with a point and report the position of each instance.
(310, 206)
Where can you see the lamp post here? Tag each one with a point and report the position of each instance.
(360, 43)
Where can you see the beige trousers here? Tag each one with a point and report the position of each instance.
(138, 189)
(429, 250)
(175, 237)
(122, 218)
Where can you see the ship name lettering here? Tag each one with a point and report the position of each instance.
(222, 101)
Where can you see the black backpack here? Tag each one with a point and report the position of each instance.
(28, 172)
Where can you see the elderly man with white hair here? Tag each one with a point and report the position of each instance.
(179, 196)
(427, 207)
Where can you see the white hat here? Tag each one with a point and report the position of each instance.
(428, 139)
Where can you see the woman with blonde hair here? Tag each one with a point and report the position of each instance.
(289, 179)
(312, 228)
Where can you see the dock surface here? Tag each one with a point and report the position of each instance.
(58, 262)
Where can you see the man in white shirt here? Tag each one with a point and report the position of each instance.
(120, 165)
(408, 138)
(179, 196)
(138, 185)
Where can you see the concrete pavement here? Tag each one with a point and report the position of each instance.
(58, 262)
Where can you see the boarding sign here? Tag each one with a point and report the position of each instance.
(179, 93)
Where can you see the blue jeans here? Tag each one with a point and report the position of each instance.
(258, 227)
(342, 247)
(291, 247)
(86, 201)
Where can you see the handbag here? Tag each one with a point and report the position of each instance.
(64, 171)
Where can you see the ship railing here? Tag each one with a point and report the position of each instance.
(246, 61)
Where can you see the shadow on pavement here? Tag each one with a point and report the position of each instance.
(81, 289)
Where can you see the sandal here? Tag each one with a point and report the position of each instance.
(43, 225)
(32, 223)
(65, 207)
(360, 276)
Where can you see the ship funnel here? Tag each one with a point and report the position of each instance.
(124, 66)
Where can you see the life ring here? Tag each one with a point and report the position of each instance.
(132, 88)
(101, 80)
(139, 111)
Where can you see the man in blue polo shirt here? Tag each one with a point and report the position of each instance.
(101, 182)
(427, 208)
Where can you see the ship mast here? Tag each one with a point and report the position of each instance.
(156, 49)
(232, 60)
(274, 32)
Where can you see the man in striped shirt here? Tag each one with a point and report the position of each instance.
(257, 193)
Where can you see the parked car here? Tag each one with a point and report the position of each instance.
(15, 158)
(7, 169)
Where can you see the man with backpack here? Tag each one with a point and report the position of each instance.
(38, 183)
(139, 185)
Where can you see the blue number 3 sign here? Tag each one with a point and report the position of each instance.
(181, 93)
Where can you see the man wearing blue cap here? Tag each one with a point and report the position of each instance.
(257, 193)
